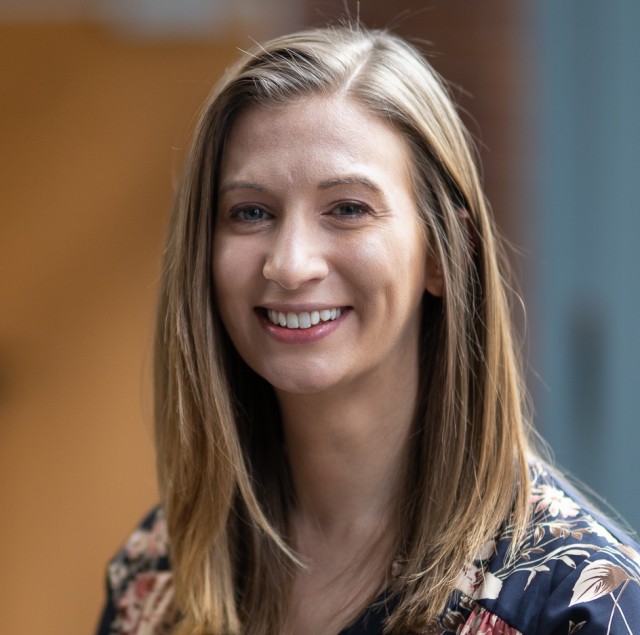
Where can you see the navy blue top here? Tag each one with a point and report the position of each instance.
(573, 573)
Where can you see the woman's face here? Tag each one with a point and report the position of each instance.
(319, 258)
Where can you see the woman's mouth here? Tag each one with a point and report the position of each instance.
(303, 319)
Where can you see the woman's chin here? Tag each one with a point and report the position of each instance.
(302, 386)
(303, 381)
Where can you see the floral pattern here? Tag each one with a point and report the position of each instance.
(139, 583)
(573, 573)
(570, 567)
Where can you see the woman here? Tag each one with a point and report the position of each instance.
(341, 438)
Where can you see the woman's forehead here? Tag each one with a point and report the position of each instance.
(325, 136)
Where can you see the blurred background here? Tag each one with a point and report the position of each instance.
(97, 101)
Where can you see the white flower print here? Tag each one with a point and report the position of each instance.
(554, 502)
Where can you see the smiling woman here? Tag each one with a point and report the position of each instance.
(341, 436)
(317, 214)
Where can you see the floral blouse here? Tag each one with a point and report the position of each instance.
(570, 574)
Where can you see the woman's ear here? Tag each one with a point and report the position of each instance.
(434, 281)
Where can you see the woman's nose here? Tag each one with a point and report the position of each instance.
(295, 256)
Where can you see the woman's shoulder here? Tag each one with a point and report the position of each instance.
(574, 571)
(139, 581)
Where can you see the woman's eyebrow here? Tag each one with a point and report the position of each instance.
(242, 185)
(349, 180)
(324, 185)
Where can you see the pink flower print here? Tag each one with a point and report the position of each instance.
(143, 606)
(482, 622)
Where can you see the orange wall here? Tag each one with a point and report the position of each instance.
(91, 132)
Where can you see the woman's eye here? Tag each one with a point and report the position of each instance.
(350, 209)
(251, 214)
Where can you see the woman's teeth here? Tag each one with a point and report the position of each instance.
(302, 320)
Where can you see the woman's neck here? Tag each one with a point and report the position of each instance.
(347, 453)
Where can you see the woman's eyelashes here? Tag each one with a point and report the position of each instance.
(350, 209)
(254, 214)
(249, 214)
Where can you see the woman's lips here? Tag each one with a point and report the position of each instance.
(303, 319)
(301, 326)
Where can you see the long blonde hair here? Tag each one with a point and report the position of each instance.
(223, 476)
